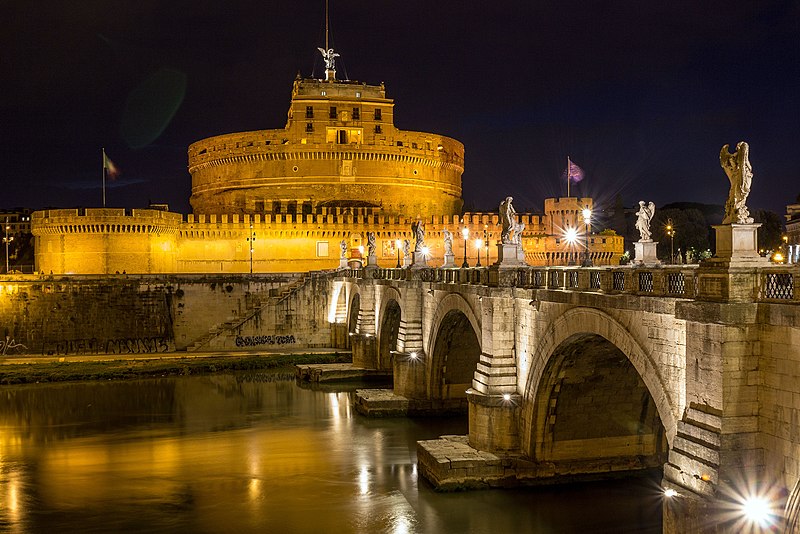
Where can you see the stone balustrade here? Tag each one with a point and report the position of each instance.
(774, 283)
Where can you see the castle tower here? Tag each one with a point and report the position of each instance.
(338, 150)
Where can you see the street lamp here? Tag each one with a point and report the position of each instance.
(486, 240)
(587, 219)
(671, 234)
(571, 235)
(465, 233)
(397, 244)
(7, 240)
(251, 243)
(478, 245)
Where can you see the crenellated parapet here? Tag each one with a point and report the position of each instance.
(104, 221)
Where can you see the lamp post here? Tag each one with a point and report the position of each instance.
(465, 233)
(251, 243)
(587, 219)
(486, 240)
(7, 240)
(397, 244)
(478, 245)
(671, 234)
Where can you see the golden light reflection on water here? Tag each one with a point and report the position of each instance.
(217, 454)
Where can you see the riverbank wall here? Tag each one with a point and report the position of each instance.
(126, 314)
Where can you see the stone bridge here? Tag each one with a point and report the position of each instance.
(585, 371)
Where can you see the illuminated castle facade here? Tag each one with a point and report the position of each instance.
(282, 200)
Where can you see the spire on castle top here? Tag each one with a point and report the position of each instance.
(327, 53)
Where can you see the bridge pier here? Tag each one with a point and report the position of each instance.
(494, 421)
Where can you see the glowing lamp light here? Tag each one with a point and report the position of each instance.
(506, 397)
(397, 243)
(426, 251)
(361, 249)
(669, 492)
(465, 232)
(757, 510)
(413, 355)
(571, 235)
(587, 215)
(478, 243)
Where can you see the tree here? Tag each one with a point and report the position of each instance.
(770, 235)
(690, 231)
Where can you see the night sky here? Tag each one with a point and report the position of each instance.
(642, 95)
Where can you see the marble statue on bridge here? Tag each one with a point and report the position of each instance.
(448, 242)
(740, 173)
(508, 221)
(643, 218)
(371, 244)
(342, 249)
(418, 228)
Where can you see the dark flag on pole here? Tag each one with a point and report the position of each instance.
(573, 173)
(111, 170)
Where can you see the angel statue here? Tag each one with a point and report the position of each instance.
(406, 248)
(740, 173)
(328, 55)
(448, 242)
(370, 243)
(508, 220)
(343, 249)
(418, 228)
(643, 218)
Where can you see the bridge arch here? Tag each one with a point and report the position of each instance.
(454, 348)
(353, 312)
(558, 343)
(389, 318)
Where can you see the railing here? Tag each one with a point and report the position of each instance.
(774, 283)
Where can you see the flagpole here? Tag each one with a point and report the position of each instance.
(104, 177)
(568, 180)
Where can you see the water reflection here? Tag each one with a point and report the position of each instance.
(253, 453)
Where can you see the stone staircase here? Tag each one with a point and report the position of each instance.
(694, 458)
(228, 326)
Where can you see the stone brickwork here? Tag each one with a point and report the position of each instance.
(702, 380)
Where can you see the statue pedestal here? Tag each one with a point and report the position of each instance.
(343, 263)
(372, 261)
(420, 261)
(406, 261)
(738, 243)
(509, 255)
(645, 253)
(449, 261)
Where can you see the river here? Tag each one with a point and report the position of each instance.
(258, 453)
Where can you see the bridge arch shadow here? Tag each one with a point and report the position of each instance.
(456, 350)
(389, 329)
(352, 316)
(593, 398)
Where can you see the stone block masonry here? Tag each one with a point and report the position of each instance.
(122, 314)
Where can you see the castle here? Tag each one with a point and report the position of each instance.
(284, 200)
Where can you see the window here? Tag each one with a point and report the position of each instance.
(259, 206)
(306, 208)
(323, 93)
(309, 112)
(358, 94)
(342, 139)
(399, 143)
(413, 145)
(378, 128)
(322, 249)
(291, 207)
(332, 113)
(309, 126)
(276, 206)
(377, 114)
(356, 114)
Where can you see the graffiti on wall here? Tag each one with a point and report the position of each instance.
(130, 345)
(10, 346)
(253, 341)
